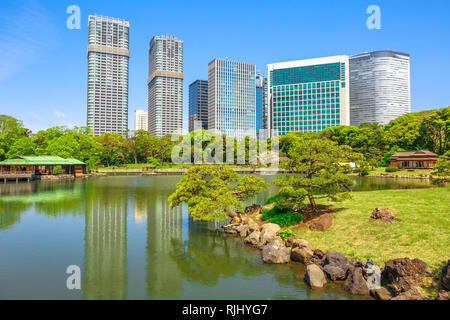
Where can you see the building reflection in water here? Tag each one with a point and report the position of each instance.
(105, 274)
(164, 226)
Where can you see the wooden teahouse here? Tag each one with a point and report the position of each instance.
(420, 159)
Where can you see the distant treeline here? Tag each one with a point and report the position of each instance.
(419, 130)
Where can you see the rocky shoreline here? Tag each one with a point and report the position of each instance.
(400, 279)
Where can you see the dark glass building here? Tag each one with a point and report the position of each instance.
(198, 104)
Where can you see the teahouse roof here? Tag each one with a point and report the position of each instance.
(40, 161)
(417, 155)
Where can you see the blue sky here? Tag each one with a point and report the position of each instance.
(43, 65)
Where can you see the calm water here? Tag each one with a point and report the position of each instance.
(130, 245)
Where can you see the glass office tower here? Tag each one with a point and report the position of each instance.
(198, 104)
(308, 95)
(232, 98)
(379, 87)
(108, 55)
(165, 86)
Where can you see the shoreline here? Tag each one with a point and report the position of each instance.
(359, 278)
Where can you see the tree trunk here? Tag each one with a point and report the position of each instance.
(231, 213)
(312, 201)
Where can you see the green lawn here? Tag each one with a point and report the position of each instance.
(424, 232)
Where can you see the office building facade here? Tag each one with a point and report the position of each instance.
(165, 86)
(308, 95)
(232, 98)
(379, 87)
(261, 106)
(108, 61)
(140, 120)
(198, 105)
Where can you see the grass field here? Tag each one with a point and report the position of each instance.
(424, 232)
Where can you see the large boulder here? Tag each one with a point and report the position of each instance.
(355, 283)
(385, 215)
(325, 221)
(318, 257)
(243, 230)
(404, 274)
(276, 252)
(412, 294)
(231, 228)
(445, 279)
(335, 265)
(314, 276)
(253, 238)
(443, 295)
(303, 255)
(254, 209)
(268, 233)
(334, 272)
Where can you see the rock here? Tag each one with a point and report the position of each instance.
(276, 252)
(445, 278)
(243, 230)
(236, 220)
(318, 257)
(268, 233)
(269, 206)
(302, 255)
(381, 294)
(325, 221)
(373, 277)
(443, 295)
(231, 228)
(355, 283)
(253, 226)
(335, 265)
(314, 276)
(403, 274)
(254, 209)
(334, 273)
(412, 294)
(253, 238)
(385, 215)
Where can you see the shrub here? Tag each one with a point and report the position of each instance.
(57, 170)
(411, 170)
(391, 169)
(285, 234)
(281, 217)
(272, 199)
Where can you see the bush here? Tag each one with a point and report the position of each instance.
(285, 234)
(281, 217)
(391, 169)
(272, 199)
(57, 170)
(411, 170)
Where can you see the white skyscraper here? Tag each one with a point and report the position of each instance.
(140, 120)
(108, 55)
(379, 87)
(165, 86)
(232, 98)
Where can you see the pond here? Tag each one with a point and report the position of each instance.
(130, 244)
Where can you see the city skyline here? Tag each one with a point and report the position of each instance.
(67, 104)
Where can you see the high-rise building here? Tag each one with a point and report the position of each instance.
(261, 105)
(232, 98)
(165, 86)
(108, 57)
(308, 95)
(198, 104)
(140, 120)
(379, 87)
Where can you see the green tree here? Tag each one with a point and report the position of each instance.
(435, 131)
(213, 193)
(22, 146)
(322, 165)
